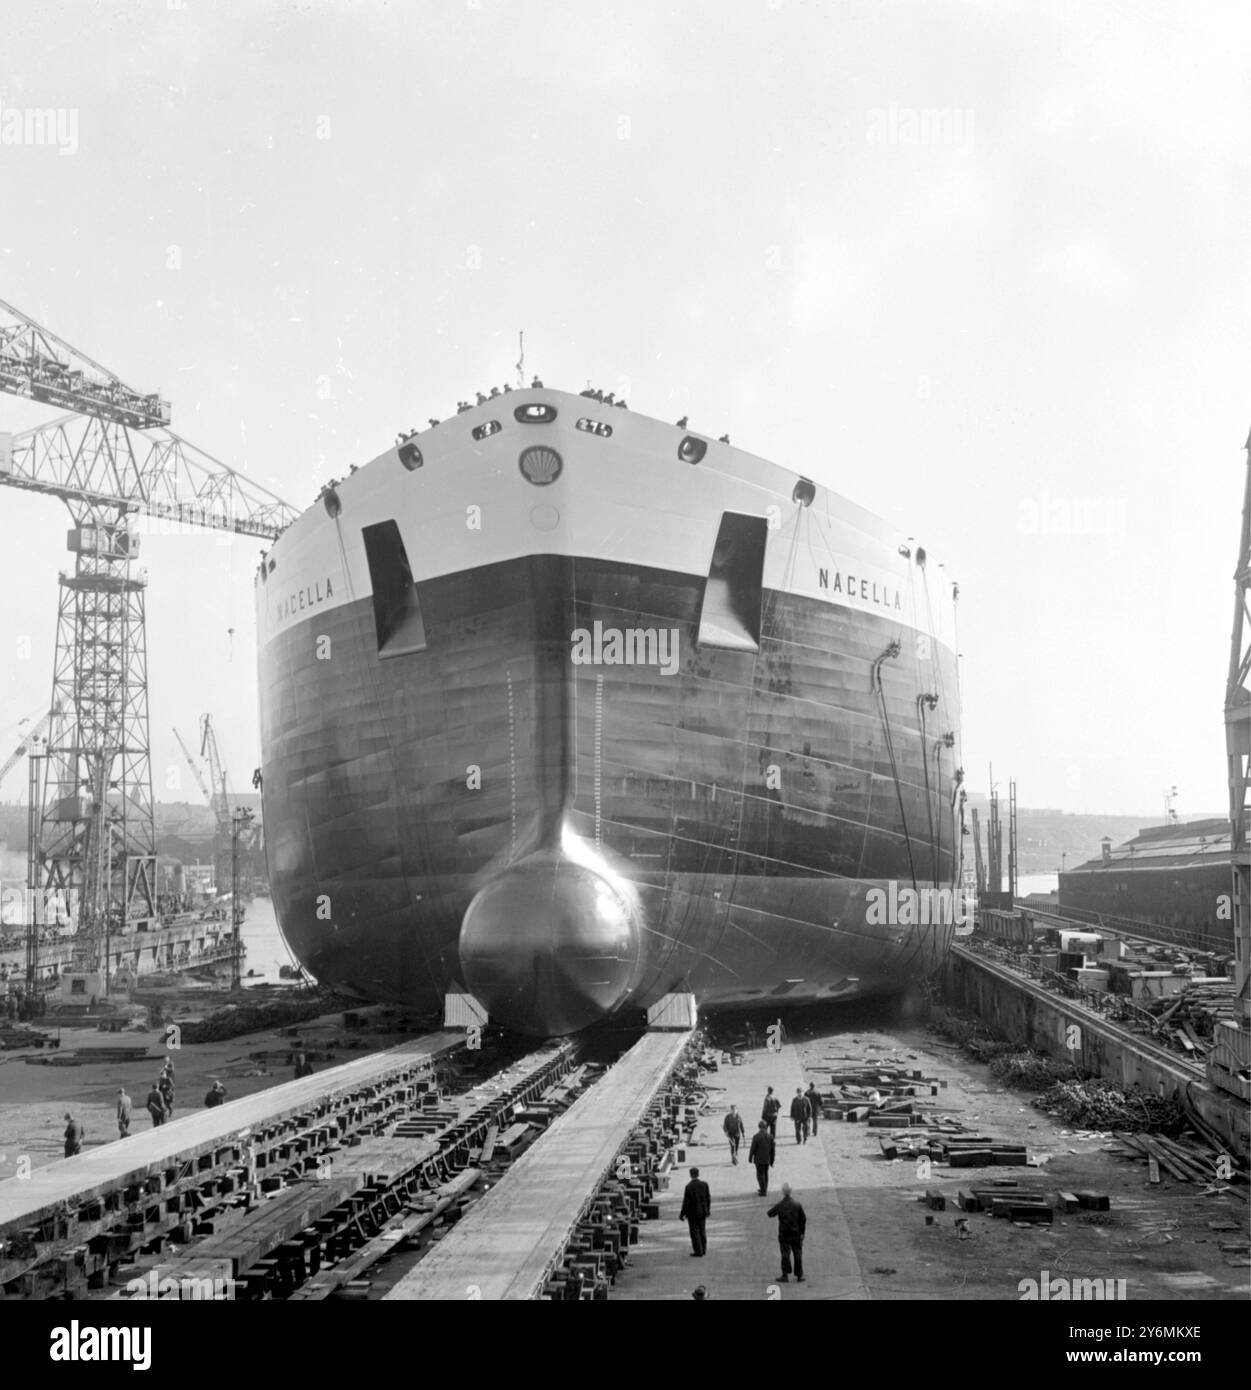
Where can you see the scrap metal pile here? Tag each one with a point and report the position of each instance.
(1098, 1104)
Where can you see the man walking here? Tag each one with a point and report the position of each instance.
(733, 1126)
(165, 1084)
(800, 1113)
(815, 1101)
(761, 1154)
(156, 1104)
(125, 1107)
(791, 1223)
(696, 1204)
(74, 1135)
(769, 1112)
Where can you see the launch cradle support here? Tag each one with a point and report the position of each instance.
(672, 1012)
(463, 1011)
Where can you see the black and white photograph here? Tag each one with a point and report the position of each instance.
(625, 670)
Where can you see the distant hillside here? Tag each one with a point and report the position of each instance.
(1044, 835)
(188, 820)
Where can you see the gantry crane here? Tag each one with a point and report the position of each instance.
(114, 458)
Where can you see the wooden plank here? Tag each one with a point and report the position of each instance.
(325, 1283)
(276, 1221)
(130, 1161)
(503, 1247)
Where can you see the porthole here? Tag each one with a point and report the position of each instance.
(487, 429)
(410, 456)
(691, 450)
(536, 413)
(330, 500)
(804, 493)
(597, 427)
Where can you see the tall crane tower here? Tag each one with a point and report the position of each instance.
(110, 460)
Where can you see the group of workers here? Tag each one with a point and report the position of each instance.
(159, 1104)
(789, 1214)
(805, 1112)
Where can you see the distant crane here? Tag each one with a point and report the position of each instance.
(979, 867)
(220, 800)
(114, 458)
(29, 737)
(196, 773)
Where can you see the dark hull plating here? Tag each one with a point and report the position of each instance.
(750, 800)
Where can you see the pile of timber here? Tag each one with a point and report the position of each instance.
(1006, 1198)
(1009, 1200)
(87, 1055)
(11, 1037)
(1187, 1160)
(885, 1096)
(1189, 1019)
(957, 1150)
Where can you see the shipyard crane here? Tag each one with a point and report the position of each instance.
(1229, 1064)
(112, 459)
(29, 737)
(196, 773)
(220, 800)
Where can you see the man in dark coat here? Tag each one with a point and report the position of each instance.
(303, 1067)
(216, 1095)
(761, 1154)
(696, 1204)
(791, 1224)
(769, 1112)
(74, 1135)
(801, 1113)
(125, 1106)
(733, 1126)
(165, 1084)
(156, 1104)
(814, 1099)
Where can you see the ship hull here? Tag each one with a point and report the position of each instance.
(509, 807)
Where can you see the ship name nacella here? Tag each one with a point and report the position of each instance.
(308, 597)
(867, 589)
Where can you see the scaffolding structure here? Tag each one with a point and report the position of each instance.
(92, 839)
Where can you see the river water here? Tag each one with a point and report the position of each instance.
(264, 941)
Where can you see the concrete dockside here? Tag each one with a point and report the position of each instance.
(870, 1233)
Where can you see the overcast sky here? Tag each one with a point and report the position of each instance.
(982, 267)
